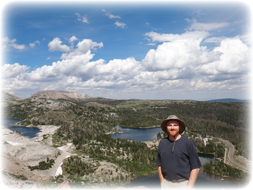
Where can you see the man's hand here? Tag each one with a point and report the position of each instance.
(193, 177)
(160, 174)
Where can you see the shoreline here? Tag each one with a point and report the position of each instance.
(150, 127)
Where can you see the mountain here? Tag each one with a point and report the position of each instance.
(7, 97)
(59, 94)
(227, 100)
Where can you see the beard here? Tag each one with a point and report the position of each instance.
(173, 132)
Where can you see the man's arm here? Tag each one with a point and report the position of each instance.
(193, 177)
(160, 173)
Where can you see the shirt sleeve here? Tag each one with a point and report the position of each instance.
(193, 157)
(158, 157)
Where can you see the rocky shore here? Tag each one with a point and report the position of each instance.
(20, 152)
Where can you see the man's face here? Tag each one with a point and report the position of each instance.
(173, 127)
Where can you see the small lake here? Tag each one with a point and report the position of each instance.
(137, 134)
(30, 132)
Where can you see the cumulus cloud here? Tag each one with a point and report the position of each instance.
(182, 51)
(56, 45)
(234, 60)
(13, 70)
(110, 15)
(81, 18)
(246, 37)
(82, 47)
(32, 45)
(76, 63)
(11, 43)
(179, 63)
(120, 24)
(72, 39)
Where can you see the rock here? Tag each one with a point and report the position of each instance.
(37, 187)
(64, 186)
(57, 94)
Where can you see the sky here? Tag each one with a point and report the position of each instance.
(144, 50)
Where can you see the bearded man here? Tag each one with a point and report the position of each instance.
(177, 158)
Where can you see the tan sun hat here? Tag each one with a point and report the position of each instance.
(173, 117)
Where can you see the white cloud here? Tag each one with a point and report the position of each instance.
(247, 37)
(194, 35)
(81, 18)
(110, 15)
(234, 61)
(76, 63)
(56, 45)
(72, 39)
(214, 39)
(179, 64)
(6, 39)
(120, 24)
(32, 45)
(183, 51)
(17, 46)
(206, 26)
(13, 70)
(11, 43)
(82, 47)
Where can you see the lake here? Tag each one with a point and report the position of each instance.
(137, 134)
(30, 132)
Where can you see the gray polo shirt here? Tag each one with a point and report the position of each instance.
(179, 163)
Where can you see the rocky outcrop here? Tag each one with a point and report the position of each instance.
(57, 94)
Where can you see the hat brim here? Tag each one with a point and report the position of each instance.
(181, 123)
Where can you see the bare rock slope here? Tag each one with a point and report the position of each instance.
(58, 94)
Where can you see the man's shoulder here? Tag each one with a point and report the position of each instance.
(188, 141)
(163, 141)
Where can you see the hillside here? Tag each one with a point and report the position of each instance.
(7, 97)
(86, 122)
(58, 94)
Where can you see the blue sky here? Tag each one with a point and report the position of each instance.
(117, 50)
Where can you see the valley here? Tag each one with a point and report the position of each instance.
(76, 127)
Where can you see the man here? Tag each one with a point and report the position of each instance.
(177, 158)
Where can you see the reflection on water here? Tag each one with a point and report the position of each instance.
(137, 134)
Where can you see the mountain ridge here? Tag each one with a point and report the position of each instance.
(64, 94)
(58, 94)
(8, 97)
